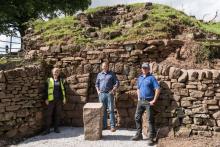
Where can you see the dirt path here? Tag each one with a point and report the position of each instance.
(190, 142)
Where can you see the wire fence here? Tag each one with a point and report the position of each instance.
(8, 48)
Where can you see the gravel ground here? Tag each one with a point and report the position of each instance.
(73, 137)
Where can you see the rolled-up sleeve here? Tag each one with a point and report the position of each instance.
(97, 83)
(116, 81)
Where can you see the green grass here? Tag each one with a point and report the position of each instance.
(211, 27)
(56, 30)
(159, 23)
(167, 14)
(136, 5)
(94, 10)
(3, 60)
(208, 50)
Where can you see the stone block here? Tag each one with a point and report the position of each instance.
(2, 77)
(183, 132)
(196, 94)
(192, 75)
(183, 77)
(93, 121)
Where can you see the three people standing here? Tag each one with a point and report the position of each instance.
(106, 84)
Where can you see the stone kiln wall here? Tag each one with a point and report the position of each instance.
(189, 100)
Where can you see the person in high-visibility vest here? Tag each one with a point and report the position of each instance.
(55, 97)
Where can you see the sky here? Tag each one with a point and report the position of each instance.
(200, 8)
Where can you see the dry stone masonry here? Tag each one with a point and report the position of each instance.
(21, 101)
(77, 87)
(189, 102)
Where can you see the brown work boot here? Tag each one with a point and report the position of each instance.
(113, 129)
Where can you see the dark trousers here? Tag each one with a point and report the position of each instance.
(54, 109)
(141, 107)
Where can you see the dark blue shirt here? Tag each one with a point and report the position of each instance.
(147, 84)
(57, 92)
(106, 81)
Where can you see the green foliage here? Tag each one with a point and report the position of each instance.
(160, 22)
(16, 13)
(207, 51)
(3, 60)
(203, 54)
(211, 27)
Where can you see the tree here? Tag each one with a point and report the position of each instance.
(14, 14)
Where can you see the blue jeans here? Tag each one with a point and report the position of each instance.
(107, 100)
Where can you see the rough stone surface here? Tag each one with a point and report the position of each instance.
(93, 120)
(195, 92)
(21, 101)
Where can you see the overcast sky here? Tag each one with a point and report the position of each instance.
(198, 8)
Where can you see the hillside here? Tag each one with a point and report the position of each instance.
(120, 23)
(130, 23)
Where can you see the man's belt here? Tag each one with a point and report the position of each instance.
(104, 91)
(146, 99)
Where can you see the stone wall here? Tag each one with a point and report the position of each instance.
(189, 101)
(82, 67)
(189, 98)
(21, 101)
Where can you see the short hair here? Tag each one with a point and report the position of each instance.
(106, 63)
(54, 69)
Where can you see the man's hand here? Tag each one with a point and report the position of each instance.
(152, 102)
(46, 102)
(98, 91)
(112, 91)
(157, 92)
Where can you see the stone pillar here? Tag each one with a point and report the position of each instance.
(93, 121)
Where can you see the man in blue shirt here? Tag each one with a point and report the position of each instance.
(148, 91)
(106, 84)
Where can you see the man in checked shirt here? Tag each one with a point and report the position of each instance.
(106, 84)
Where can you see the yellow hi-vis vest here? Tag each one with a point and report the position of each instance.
(51, 88)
